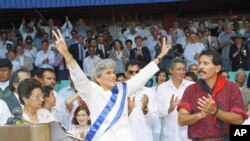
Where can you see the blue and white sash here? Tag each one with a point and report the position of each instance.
(107, 109)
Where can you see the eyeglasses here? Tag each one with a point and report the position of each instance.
(133, 72)
(226, 76)
(37, 97)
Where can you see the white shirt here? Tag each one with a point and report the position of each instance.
(170, 129)
(17, 97)
(41, 56)
(21, 60)
(179, 32)
(31, 53)
(15, 65)
(190, 51)
(96, 99)
(66, 28)
(66, 93)
(145, 32)
(3, 51)
(25, 34)
(183, 41)
(60, 110)
(4, 113)
(151, 46)
(3, 85)
(156, 127)
(45, 116)
(140, 123)
(89, 63)
(130, 36)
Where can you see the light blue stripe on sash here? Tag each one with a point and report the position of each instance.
(99, 121)
(121, 108)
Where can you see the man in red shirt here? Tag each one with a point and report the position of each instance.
(209, 106)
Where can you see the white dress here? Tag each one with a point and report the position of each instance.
(43, 115)
(46, 116)
(96, 99)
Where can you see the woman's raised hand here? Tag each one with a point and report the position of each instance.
(62, 48)
(164, 48)
(60, 42)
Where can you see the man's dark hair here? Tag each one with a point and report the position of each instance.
(138, 37)
(120, 74)
(128, 40)
(192, 75)
(5, 63)
(44, 41)
(133, 62)
(216, 59)
(14, 77)
(46, 90)
(44, 70)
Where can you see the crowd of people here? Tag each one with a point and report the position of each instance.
(107, 98)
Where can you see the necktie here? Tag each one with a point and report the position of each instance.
(102, 49)
(50, 32)
(80, 51)
(208, 44)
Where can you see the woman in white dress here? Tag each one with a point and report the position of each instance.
(106, 99)
(161, 77)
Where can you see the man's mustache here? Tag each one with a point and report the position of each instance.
(201, 71)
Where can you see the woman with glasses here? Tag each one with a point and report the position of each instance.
(106, 99)
(31, 96)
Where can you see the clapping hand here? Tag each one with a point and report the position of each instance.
(173, 103)
(131, 105)
(206, 104)
(144, 101)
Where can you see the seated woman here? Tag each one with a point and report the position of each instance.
(48, 103)
(30, 95)
(81, 120)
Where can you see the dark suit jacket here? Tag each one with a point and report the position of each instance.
(12, 102)
(73, 49)
(106, 52)
(144, 59)
(98, 53)
(216, 32)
